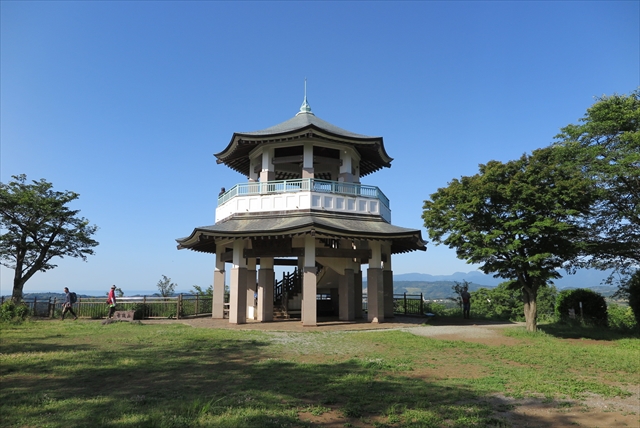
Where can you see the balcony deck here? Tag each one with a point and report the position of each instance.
(305, 193)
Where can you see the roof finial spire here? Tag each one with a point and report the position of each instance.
(305, 107)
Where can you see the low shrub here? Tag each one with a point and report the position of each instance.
(593, 311)
(621, 317)
(11, 312)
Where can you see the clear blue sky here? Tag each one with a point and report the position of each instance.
(126, 102)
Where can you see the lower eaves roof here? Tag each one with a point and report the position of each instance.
(305, 222)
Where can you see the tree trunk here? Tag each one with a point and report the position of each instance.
(530, 308)
(18, 285)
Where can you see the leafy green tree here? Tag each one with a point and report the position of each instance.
(37, 227)
(630, 290)
(208, 292)
(518, 220)
(503, 302)
(606, 147)
(166, 287)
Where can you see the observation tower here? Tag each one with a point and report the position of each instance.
(303, 205)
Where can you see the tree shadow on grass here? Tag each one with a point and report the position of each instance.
(230, 383)
(577, 331)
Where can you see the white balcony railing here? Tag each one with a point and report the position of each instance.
(306, 193)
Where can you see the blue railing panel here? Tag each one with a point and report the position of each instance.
(304, 184)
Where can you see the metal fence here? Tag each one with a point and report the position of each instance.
(403, 304)
(180, 306)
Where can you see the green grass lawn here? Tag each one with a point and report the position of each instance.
(83, 373)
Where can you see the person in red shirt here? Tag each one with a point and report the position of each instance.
(111, 301)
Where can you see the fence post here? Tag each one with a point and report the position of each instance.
(35, 305)
(405, 303)
(421, 305)
(53, 309)
(179, 305)
(197, 302)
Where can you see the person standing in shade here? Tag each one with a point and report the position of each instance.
(67, 306)
(111, 301)
(466, 303)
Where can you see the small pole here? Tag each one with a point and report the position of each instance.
(179, 304)
(421, 304)
(581, 314)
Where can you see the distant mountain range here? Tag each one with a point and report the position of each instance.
(585, 278)
(439, 286)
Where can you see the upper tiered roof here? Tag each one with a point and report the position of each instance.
(304, 126)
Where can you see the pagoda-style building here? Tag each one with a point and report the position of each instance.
(303, 205)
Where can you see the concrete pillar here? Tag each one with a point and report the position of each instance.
(335, 300)
(266, 282)
(347, 294)
(252, 289)
(357, 293)
(375, 292)
(309, 284)
(267, 172)
(238, 286)
(307, 161)
(387, 291)
(387, 281)
(217, 309)
(345, 167)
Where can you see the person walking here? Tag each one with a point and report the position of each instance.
(111, 301)
(67, 306)
(466, 303)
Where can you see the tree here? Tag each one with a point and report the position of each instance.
(37, 227)
(166, 287)
(208, 292)
(519, 220)
(606, 147)
(503, 302)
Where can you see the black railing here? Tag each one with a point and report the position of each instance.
(403, 304)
